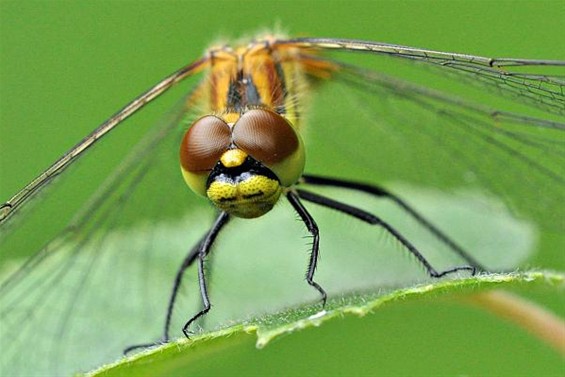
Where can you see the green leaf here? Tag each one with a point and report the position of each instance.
(199, 353)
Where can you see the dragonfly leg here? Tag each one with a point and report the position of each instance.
(204, 249)
(313, 229)
(198, 252)
(374, 220)
(381, 192)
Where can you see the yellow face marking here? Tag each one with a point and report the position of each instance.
(247, 199)
(233, 158)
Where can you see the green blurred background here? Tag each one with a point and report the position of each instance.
(66, 66)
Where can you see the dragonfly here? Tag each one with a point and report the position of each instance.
(240, 138)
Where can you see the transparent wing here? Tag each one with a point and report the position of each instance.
(12, 205)
(466, 141)
(79, 295)
(396, 131)
(61, 301)
(505, 75)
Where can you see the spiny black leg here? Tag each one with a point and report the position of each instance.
(204, 249)
(374, 220)
(190, 258)
(187, 262)
(313, 229)
(381, 192)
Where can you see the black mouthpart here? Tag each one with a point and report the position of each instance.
(234, 175)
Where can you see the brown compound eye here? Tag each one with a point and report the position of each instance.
(266, 136)
(204, 143)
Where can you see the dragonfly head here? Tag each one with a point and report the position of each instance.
(242, 168)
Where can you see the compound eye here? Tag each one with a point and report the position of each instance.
(266, 136)
(204, 143)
